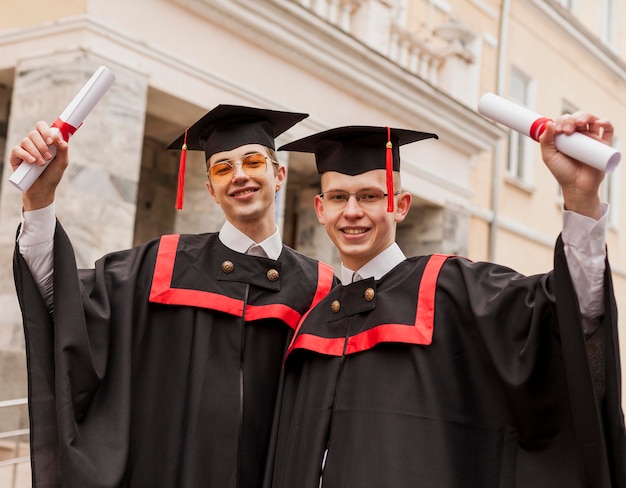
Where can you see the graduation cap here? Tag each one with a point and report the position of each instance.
(353, 150)
(229, 126)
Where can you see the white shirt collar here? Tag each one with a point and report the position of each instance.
(236, 240)
(376, 267)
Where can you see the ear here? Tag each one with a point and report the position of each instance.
(281, 174)
(403, 205)
(318, 203)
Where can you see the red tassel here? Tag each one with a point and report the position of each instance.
(389, 168)
(180, 193)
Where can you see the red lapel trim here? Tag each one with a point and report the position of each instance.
(322, 345)
(420, 333)
(162, 291)
(325, 273)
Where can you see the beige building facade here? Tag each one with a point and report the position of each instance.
(479, 190)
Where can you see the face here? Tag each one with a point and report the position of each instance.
(360, 231)
(248, 202)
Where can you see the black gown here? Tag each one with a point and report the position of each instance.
(449, 374)
(160, 367)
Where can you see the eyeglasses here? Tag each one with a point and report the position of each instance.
(340, 198)
(253, 165)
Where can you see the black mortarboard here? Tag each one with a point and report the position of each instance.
(229, 126)
(353, 150)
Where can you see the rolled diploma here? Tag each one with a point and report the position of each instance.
(73, 115)
(531, 124)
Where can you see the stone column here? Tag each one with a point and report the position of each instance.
(96, 200)
(12, 357)
(10, 337)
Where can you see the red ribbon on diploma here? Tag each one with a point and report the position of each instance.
(538, 127)
(65, 129)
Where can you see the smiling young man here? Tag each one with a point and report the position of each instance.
(433, 371)
(248, 202)
(160, 367)
(360, 227)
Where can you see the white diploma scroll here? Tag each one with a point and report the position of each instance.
(525, 121)
(68, 122)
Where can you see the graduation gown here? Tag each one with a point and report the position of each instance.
(160, 367)
(449, 374)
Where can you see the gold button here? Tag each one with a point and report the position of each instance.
(369, 294)
(335, 306)
(272, 275)
(228, 266)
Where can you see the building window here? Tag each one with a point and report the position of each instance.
(520, 147)
(609, 19)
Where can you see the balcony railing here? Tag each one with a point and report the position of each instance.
(414, 54)
(443, 56)
(337, 12)
(14, 450)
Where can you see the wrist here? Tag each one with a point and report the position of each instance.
(589, 206)
(35, 202)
